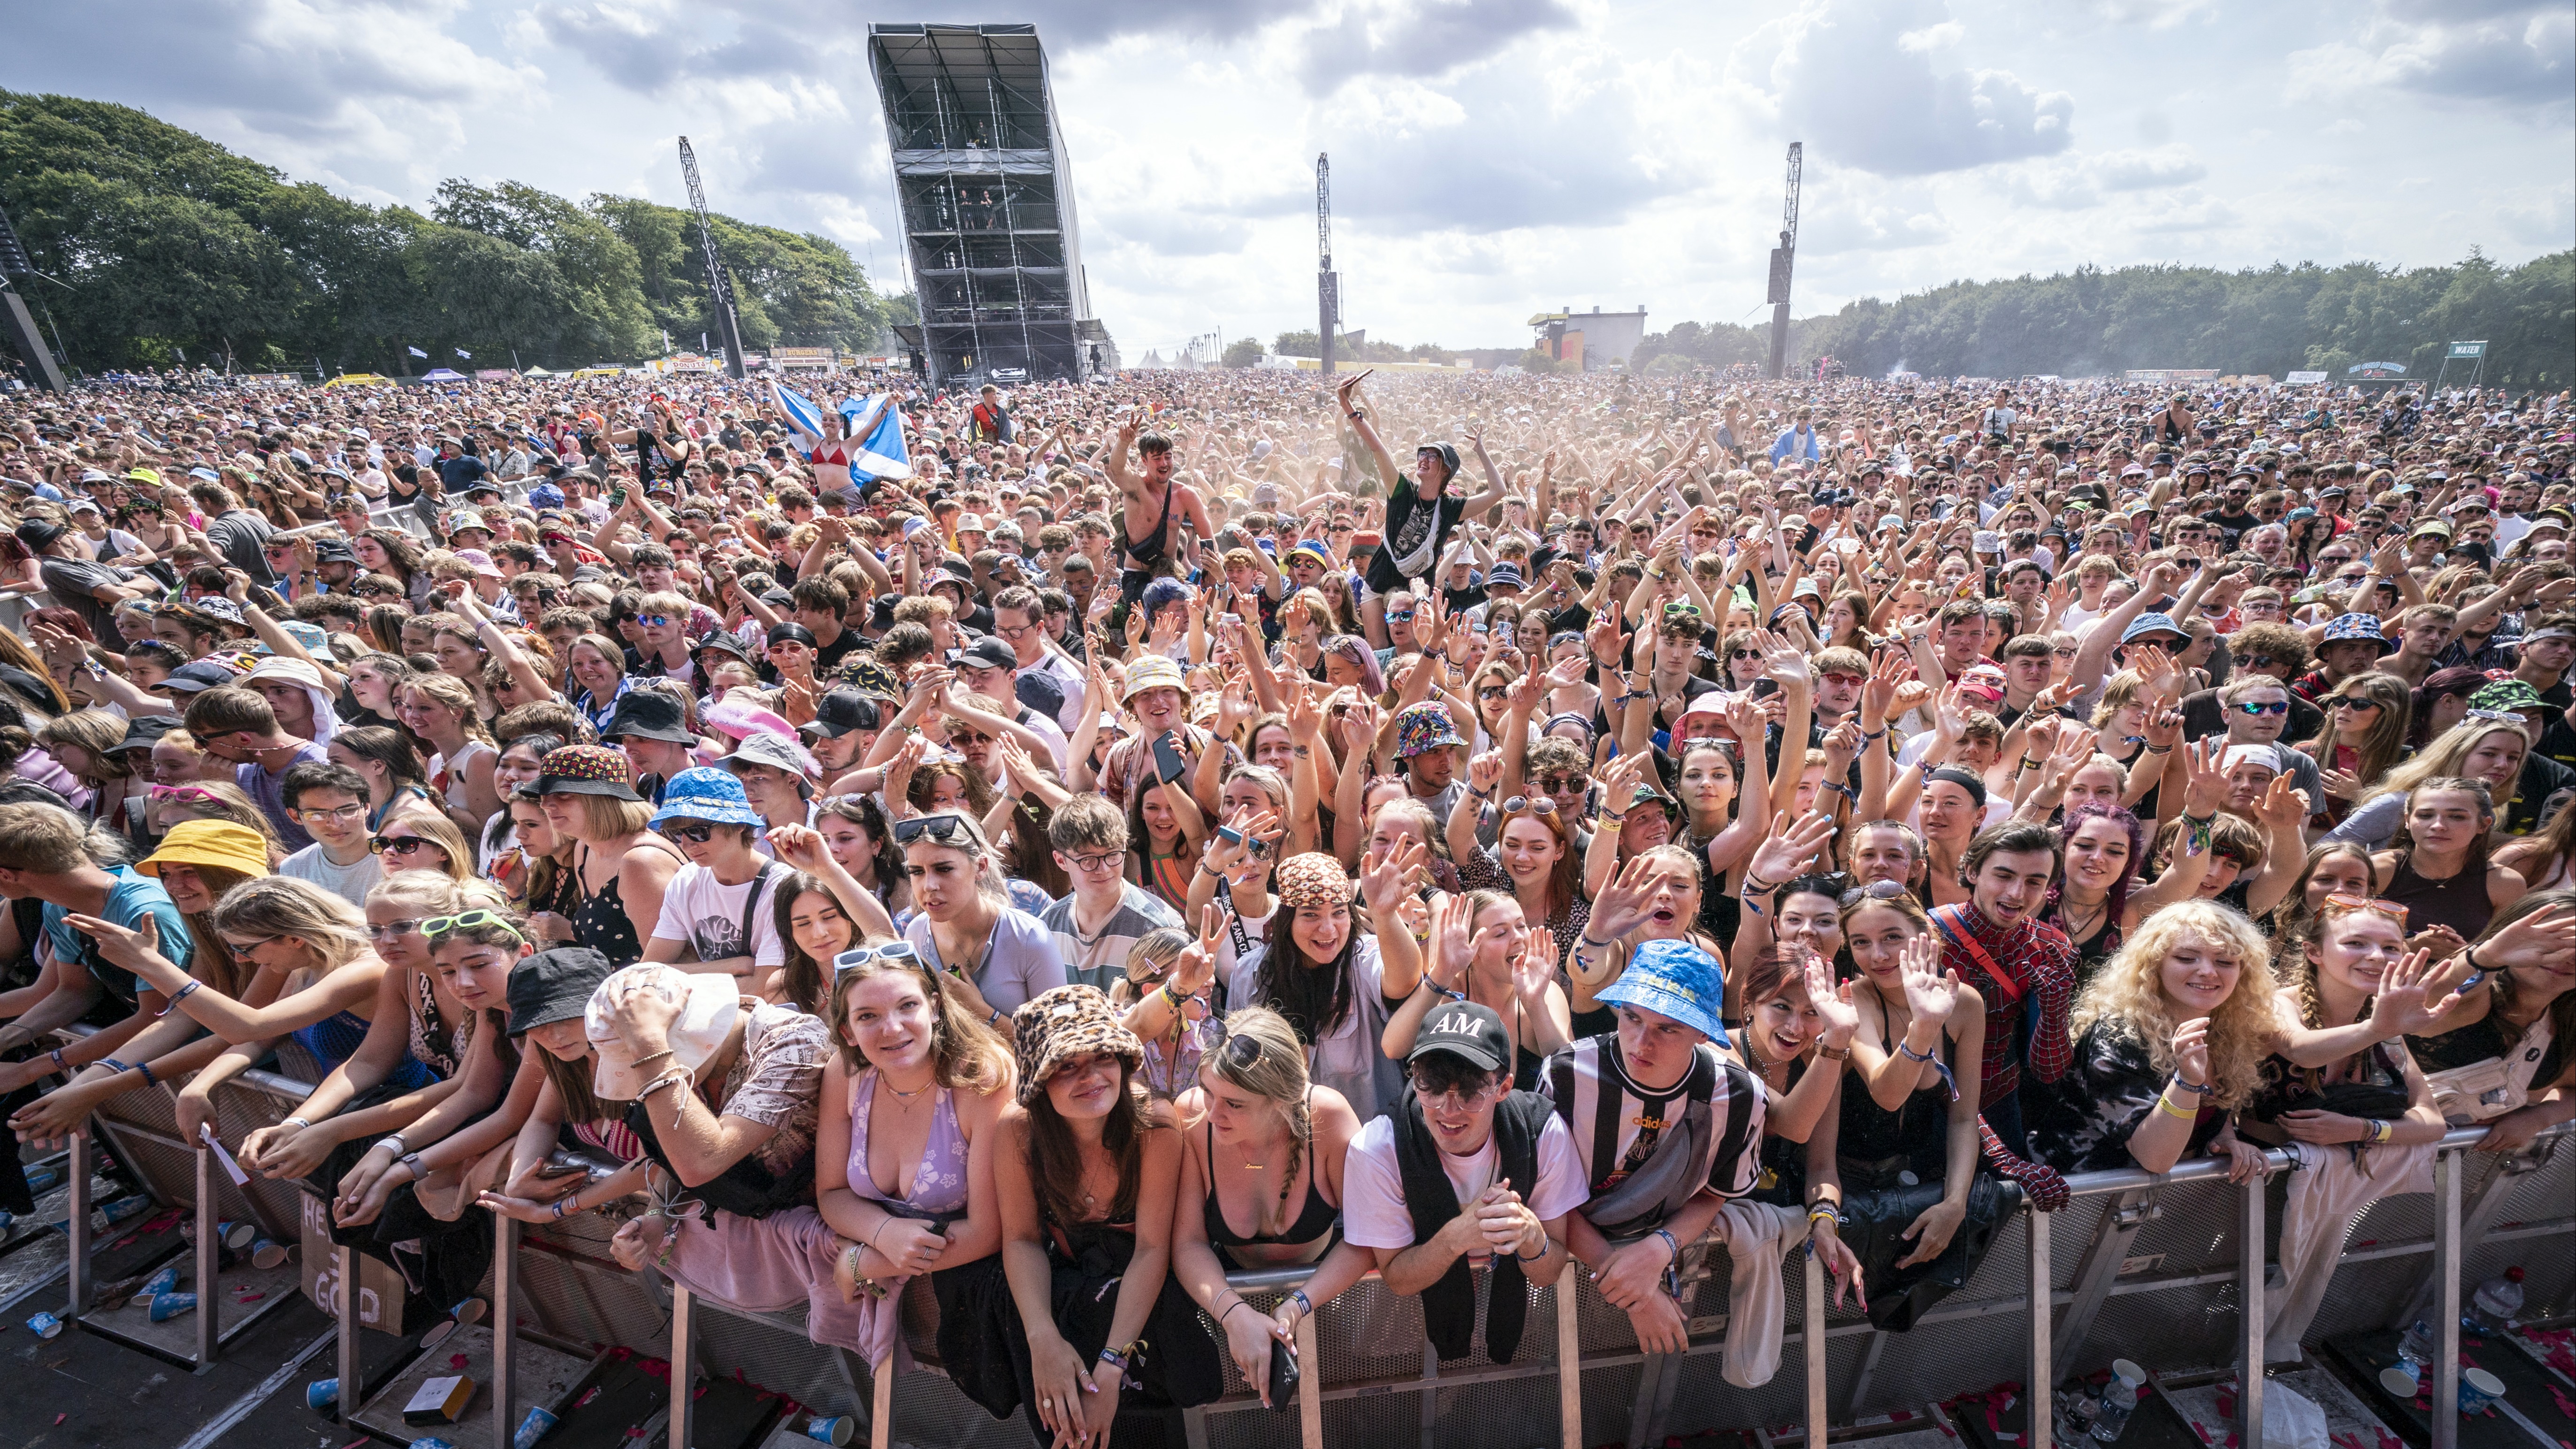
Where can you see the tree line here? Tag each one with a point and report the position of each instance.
(2273, 320)
(163, 247)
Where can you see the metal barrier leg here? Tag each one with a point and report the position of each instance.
(1310, 1386)
(505, 1328)
(2446, 1272)
(209, 1301)
(353, 1385)
(1569, 1363)
(344, 1265)
(1430, 1394)
(684, 1364)
(881, 1406)
(1811, 1338)
(76, 1168)
(2253, 1310)
(2043, 1298)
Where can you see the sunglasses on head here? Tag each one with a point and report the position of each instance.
(398, 844)
(1218, 1040)
(1877, 890)
(182, 792)
(946, 827)
(893, 953)
(2345, 901)
(1533, 804)
(437, 926)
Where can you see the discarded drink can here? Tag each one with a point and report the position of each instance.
(40, 1178)
(470, 1311)
(321, 1394)
(46, 1325)
(431, 1441)
(829, 1431)
(267, 1253)
(532, 1428)
(170, 1305)
(108, 1215)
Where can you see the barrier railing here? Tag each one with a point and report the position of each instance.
(1357, 1354)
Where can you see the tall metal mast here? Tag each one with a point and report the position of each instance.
(719, 286)
(1328, 287)
(1783, 258)
(19, 326)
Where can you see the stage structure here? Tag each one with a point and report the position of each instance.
(719, 284)
(986, 191)
(1784, 259)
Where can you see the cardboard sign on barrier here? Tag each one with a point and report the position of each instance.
(380, 1288)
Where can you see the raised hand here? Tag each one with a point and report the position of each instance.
(2191, 1051)
(1782, 856)
(1930, 992)
(2206, 781)
(1621, 906)
(1832, 1002)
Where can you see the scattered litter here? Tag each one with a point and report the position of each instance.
(58, 1418)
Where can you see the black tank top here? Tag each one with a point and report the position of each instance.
(1875, 1144)
(1314, 1221)
(600, 920)
(2459, 902)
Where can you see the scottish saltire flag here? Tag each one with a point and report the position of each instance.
(416, 352)
(882, 454)
(802, 415)
(468, 356)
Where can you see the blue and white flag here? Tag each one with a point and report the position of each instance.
(468, 356)
(416, 352)
(802, 415)
(882, 455)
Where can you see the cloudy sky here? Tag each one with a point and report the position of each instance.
(1491, 158)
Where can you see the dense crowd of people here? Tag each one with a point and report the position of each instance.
(1455, 828)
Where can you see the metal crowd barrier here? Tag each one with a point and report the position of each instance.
(2161, 1260)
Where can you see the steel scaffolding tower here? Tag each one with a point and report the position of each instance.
(986, 192)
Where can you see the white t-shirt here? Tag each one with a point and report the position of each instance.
(1373, 1214)
(1020, 965)
(349, 882)
(706, 915)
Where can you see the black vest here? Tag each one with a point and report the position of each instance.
(1449, 1304)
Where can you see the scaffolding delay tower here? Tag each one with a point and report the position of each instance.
(986, 192)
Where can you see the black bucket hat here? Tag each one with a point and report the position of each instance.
(554, 985)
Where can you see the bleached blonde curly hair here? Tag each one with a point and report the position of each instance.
(2129, 991)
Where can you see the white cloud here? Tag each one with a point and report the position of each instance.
(1856, 79)
(1419, 37)
(2500, 54)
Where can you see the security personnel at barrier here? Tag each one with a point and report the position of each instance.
(1463, 1170)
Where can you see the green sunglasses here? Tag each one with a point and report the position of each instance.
(437, 926)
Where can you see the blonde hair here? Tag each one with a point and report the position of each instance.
(281, 905)
(2442, 758)
(1276, 1074)
(435, 827)
(429, 891)
(2127, 995)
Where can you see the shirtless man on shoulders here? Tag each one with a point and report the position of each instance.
(1152, 500)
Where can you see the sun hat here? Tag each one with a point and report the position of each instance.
(224, 844)
(709, 1007)
(1152, 672)
(587, 770)
(776, 751)
(1069, 1021)
(707, 793)
(1674, 979)
(1421, 728)
(554, 985)
(648, 714)
(2344, 627)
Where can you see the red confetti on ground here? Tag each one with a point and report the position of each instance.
(1899, 1416)
(456, 1360)
(354, 1443)
(1945, 1429)
(248, 1297)
(2566, 1405)
(58, 1418)
(587, 1396)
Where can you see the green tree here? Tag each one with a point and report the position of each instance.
(1243, 352)
(1308, 343)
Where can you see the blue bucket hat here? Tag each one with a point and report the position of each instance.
(2357, 626)
(545, 495)
(1674, 979)
(2146, 624)
(705, 792)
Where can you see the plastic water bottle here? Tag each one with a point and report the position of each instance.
(2119, 1400)
(2417, 1345)
(2497, 1300)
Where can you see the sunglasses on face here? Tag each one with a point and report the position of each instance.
(401, 844)
(241, 949)
(695, 833)
(2249, 707)
(1743, 654)
(2351, 701)
(1455, 1101)
(1564, 784)
(391, 929)
(653, 621)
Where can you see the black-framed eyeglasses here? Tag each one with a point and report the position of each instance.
(1100, 861)
(947, 827)
(1563, 784)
